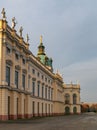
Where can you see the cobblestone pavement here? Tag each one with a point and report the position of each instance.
(86, 121)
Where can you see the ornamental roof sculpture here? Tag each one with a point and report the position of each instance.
(3, 14)
(13, 23)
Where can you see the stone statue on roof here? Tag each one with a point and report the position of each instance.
(27, 38)
(20, 31)
(3, 14)
(13, 22)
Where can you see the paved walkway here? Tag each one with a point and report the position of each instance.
(72, 122)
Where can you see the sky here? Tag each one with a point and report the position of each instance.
(69, 30)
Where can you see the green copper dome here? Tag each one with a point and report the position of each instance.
(42, 56)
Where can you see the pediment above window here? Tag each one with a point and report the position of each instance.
(9, 62)
(17, 67)
(34, 79)
(24, 71)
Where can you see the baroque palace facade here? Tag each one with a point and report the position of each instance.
(28, 85)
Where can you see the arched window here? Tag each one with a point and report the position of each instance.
(67, 98)
(75, 110)
(74, 98)
(67, 110)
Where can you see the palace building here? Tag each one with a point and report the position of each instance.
(28, 85)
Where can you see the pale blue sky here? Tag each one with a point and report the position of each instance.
(69, 29)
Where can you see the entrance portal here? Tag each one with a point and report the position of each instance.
(67, 110)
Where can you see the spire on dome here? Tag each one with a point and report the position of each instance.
(41, 47)
(42, 57)
(41, 39)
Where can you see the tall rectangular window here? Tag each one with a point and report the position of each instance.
(33, 71)
(23, 81)
(8, 75)
(23, 61)
(38, 74)
(49, 93)
(33, 88)
(8, 108)
(16, 78)
(52, 94)
(28, 82)
(38, 89)
(46, 92)
(49, 108)
(42, 91)
(52, 108)
(33, 108)
(8, 50)
(42, 108)
(38, 108)
(46, 108)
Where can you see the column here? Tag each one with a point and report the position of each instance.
(28, 105)
(4, 105)
(13, 70)
(13, 105)
(21, 112)
(3, 63)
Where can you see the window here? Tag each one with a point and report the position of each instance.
(42, 91)
(38, 74)
(24, 61)
(46, 92)
(33, 108)
(33, 88)
(8, 75)
(49, 108)
(16, 56)
(38, 89)
(46, 79)
(42, 77)
(67, 98)
(33, 71)
(28, 82)
(16, 78)
(28, 68)
(8, 107)
(8, 50)
(23, 81)
(74, 99)
(46, 108)
(38, 108)
(42, 108)
(52, 94)
(49, 93)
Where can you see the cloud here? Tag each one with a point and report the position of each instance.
(86, 73)
(69, 29)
